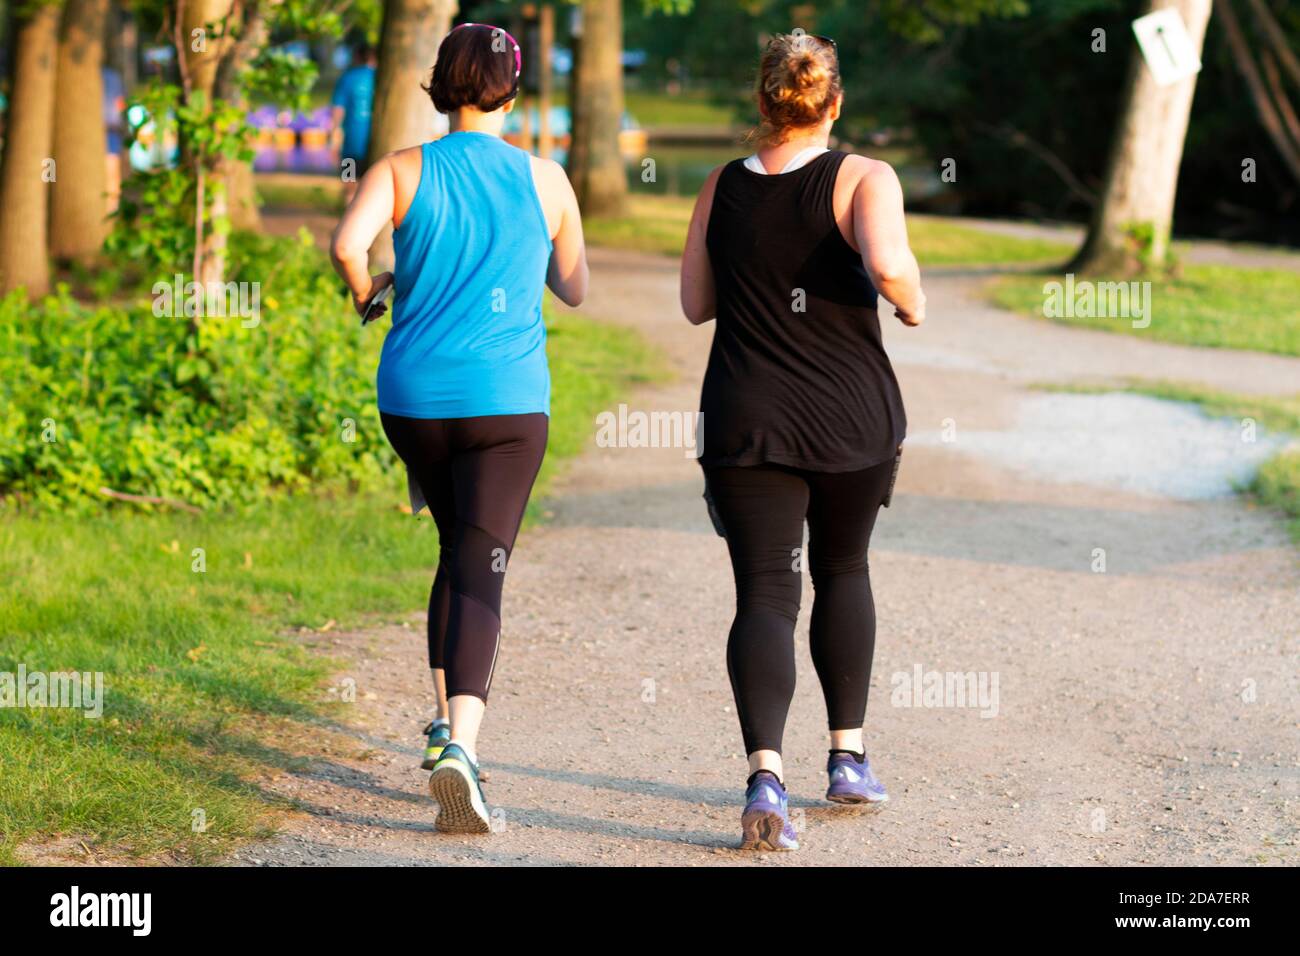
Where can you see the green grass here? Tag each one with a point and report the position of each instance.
(945, 242)
(308, 196)
(650, 108)
(1277, 483)
(593, 365)
(205, 691)
(653, 224)
(653, 108)
(658, 224)
(1216, 306)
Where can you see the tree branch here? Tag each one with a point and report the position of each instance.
(150, 500)
(1268, 114)
(1276, 37)
(1016, 138)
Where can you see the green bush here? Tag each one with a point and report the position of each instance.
(207, 411)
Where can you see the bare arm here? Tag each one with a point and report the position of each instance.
(362, 221)
(881, 234)
(698, 293)
(567, 274)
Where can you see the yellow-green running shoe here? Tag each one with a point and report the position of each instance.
(438, 732)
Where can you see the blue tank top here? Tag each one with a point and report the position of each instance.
(471, 257)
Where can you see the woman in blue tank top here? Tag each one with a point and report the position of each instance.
(479, 228)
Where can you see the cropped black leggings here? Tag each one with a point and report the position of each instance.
(476, 475)
(763, 508)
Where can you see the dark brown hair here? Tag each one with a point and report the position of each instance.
(475, 67)
(798, 81)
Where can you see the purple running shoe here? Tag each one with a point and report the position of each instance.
(765, 824)
(852, 780)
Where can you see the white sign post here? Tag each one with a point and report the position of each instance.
(1166, 47)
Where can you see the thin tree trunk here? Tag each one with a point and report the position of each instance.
(241, 192)
(1269, 117)
(1284, 107)
(78, 210)
(545, 40)
(24, 172)
(1131, 224)
(1277, 38)
(199, 61)
(403, 114)
(595, 163)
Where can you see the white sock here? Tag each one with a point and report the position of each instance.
(441, 722)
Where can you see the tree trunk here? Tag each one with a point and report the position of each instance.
(199, 59)
(78, 211)
(545, 40)
(241, 191)
(595, 163)
(403, 114)
(1131, 224)
(25, 170)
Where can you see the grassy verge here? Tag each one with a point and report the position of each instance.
(1217, 306)
(310, 196)
(205, 692)
(653, 224)
(658, 224)
(946, 242)
(652, 108)
(1277, 483)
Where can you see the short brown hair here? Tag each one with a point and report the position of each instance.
(798, 81)
(476, 67)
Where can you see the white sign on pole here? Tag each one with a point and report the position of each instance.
(1166, 46)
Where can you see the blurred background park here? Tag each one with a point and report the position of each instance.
(163, 156)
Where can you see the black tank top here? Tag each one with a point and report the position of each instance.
(811, 389)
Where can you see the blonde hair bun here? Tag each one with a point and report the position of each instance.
(798, 81)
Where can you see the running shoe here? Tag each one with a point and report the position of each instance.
(439, 733)
(851, 780)
(765, 824)
(455, 785)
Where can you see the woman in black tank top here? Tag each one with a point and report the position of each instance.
(802, 418)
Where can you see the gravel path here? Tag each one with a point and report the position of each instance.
(1144, 714)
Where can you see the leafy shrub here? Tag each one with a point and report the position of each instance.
(207, 411)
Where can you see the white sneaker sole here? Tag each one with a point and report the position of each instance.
(460, 809)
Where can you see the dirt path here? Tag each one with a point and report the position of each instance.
(1121, 734)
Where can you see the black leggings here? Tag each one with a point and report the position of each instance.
(763, 509)
(476, 475)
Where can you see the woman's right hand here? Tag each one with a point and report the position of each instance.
(914, 316)
(377, 284)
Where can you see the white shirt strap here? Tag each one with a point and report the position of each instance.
(801, 158)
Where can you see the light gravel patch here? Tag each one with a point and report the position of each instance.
(1135, 443)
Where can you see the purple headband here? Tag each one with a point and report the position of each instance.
(519, 59)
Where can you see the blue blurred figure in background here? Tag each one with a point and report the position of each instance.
(354, 94)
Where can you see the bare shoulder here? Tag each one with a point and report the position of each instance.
(402, 165)
(548, 173)
(402, 158)
(858, 166)
(711, 180)
(863, 172)
(705, 199)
